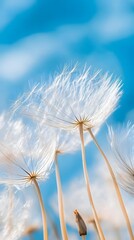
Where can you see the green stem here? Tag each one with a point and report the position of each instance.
(115, 185)
(60, 202)
(43, 212)
(101, 235)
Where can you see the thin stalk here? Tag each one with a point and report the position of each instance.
(101, 235)
(95, 228)
(60, 202)
(83, 237)
(43, 212)
(115, 185)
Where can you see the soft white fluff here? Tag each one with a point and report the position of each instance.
(122, 144)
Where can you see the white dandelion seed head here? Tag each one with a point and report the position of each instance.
(12, 131)
(20, 163)
(13, 215)
(75, 97)
(33, 222)
(122, 145)
(65, 142)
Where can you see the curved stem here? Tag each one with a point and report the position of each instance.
(101, 235)
(115, 185)
(60, 202)
(43, 212)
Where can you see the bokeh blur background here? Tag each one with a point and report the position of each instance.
(37, 37)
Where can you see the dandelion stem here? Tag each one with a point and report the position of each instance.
(96, 230)
(60, 202)
(44, 219)
(101, 235)
(83, 237)
(115, 185)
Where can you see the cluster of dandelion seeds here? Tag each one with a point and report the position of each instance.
(57, 118)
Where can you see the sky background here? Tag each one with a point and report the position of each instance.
(37, 37)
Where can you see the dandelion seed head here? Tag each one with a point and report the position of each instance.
(33, 222)
(23, 159)
(12, 208)
(12, 132)
(65, 142)
(122, 145)
(74, 98)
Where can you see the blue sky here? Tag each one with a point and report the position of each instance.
(38, 37)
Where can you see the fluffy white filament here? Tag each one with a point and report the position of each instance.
(73, 97)
(122, 144)
(22, 157)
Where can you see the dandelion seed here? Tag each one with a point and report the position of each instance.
(33, 222)
(12, 208)
(121, 141)
(27, 164)
(73, 98)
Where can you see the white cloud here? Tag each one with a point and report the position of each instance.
(22, 57)
(10, 8)
(18, 59)
(130, 116)
(113, 21)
